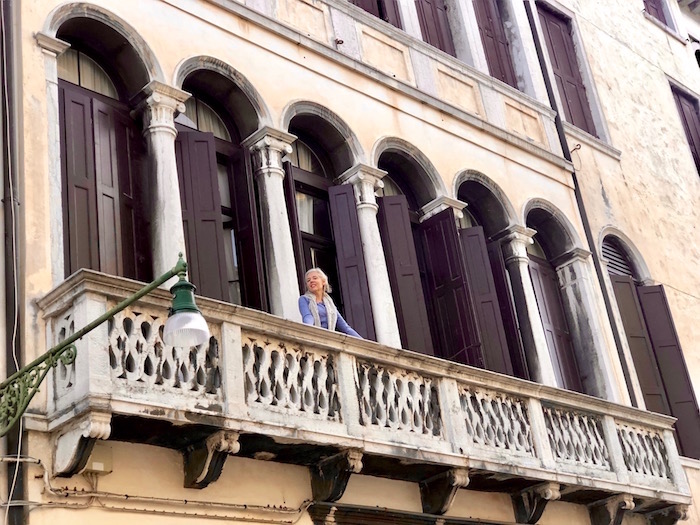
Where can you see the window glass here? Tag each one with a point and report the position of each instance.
(536, 249)
(77, 68)
(390, 188)
(304, 158)
(314, 215)
(467, 220)
(206, 119)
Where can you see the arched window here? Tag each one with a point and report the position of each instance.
(655, 348)
(217, 195)
(102, 154)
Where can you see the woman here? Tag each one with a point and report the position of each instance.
(317, 307)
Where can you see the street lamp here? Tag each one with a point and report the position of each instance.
(184, 327)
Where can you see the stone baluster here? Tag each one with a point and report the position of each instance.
(365, 180)
(514, 244)
(268, 146)
(158, 105)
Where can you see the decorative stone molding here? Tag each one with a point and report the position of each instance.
(438, 493)
(51, 45)
(611, 511)
(74, 444)
(529, 504)
(158, 103)
(268, 146)
(440, 204)
(205, 460)
(330, 477)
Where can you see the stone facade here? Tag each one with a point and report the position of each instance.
(278, 422)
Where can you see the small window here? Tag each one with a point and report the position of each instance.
(79, 69)
(655, 8)
(688, 111)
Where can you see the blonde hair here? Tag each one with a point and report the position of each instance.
(324, 278)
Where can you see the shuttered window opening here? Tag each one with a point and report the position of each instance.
(617, 261)
(656, 9)
(434, 24)
(688, 111)
(496, 44)
(387, 10)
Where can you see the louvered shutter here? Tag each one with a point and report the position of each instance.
(404, 274)
(508, 313)
(496, 45)
(297, 245)
(351, 263)
(455, 333)
(248, 249)
(562, 54)
(79, 193)
(688, 111)
(640, 344)
(674, 372)
(201, 212)
(548, 295)
(483, 292)
(391, 12)
(434, 24)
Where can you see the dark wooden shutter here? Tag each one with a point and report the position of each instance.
(674, 373)
(79, 194)
(561, 351)
(640, 344)
(351, 262)
(371, 6)
(390, 12)
(455, 333)
(496, 45)
(655, 9)
(508, 313)
(201, 212)
(688, 111)
(486, 307)
(404, 274)
(432, 16)
(297, 244)
(248, 249)
(562, 54)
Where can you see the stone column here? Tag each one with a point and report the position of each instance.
(514, 244)
(158, 104)
(52, 48)
(600, 372)
(365, 180)
(268, 146)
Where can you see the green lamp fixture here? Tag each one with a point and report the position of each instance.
(184, 327)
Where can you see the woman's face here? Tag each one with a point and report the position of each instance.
(314, 282)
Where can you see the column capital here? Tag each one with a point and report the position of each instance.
(570, 257)
(440, 204)
(365, 181)
(50, 44)
(515, 241)
(268, 146)
(158, 103)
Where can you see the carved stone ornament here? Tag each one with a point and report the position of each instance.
(330, 477)
(205, 460)
(74, 444)
(529, 504)
(438, 493)
(669, 516)
(268, 146)
(612, 510)
(158, 104)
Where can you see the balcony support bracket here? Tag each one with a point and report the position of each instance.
(330, 477)
(438, 493)
(75, 442)
(669, 515)
(205, 459)
(529, 504)
(612, 510)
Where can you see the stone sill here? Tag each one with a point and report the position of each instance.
(295, 393)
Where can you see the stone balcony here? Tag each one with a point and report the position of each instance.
(275, 390)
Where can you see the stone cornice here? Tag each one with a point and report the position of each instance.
(51, 44)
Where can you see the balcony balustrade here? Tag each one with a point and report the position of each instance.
(272, 389)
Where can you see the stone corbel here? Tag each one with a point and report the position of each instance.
(51, 45)
(438, 493)
(529, 504)
(612, 510)
(74, 444)
(268, 147)
(669, 515)
(440, 204)
(330, 477)
(205, 460)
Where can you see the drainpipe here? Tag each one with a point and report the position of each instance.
(10, 110)
(579, 201)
